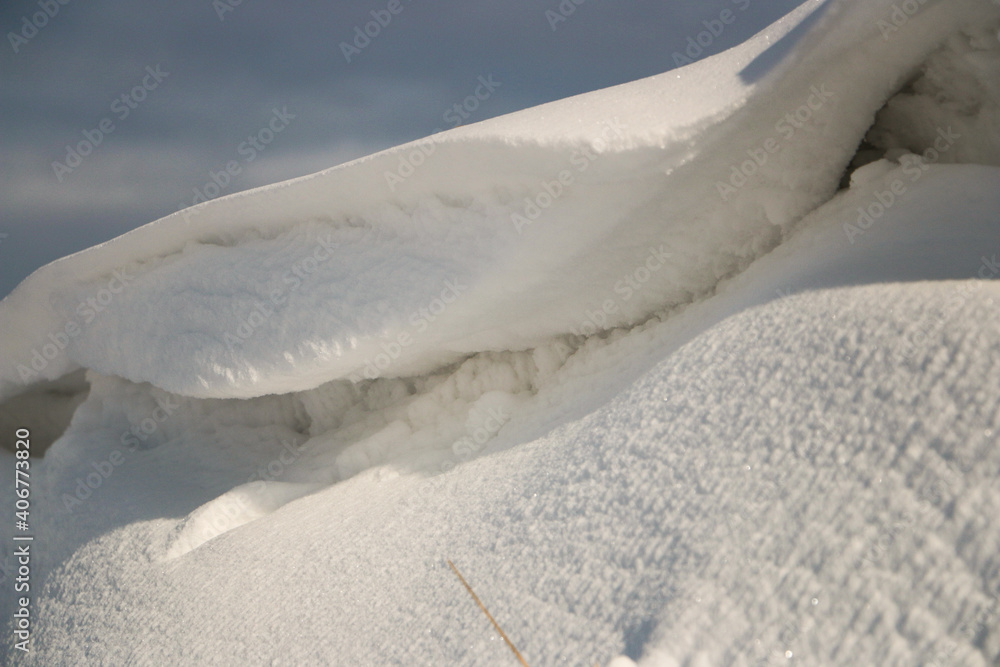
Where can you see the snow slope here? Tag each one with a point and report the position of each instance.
(697, 515)
(694, 413)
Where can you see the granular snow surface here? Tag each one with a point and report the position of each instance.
(698, 370)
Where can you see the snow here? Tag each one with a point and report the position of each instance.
(289, 286)
(694, 412)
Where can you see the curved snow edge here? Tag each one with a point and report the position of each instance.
(46, 339)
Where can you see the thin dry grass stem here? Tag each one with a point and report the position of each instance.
(488, 614)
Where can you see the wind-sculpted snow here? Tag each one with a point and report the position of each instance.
(640, 197)
(699, 370)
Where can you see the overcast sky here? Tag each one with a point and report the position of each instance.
(170, 91)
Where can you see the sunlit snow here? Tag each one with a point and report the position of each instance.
(703, 369)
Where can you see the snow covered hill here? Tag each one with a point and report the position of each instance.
(698, 370)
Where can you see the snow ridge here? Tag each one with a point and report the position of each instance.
(608, 355)
(286, 287)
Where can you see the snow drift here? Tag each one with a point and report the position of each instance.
(285, 287)
(609, 355)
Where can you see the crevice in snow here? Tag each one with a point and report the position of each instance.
(426, 423)
(947, 112)
(866, 154)
(45, 409)
(954, 98)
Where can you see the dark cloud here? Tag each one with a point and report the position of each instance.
(227, 75)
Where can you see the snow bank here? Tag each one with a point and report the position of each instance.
(703, 408)
(840, 444)
(801, 477)
(395, 264)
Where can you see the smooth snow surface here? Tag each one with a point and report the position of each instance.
(699, 370)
